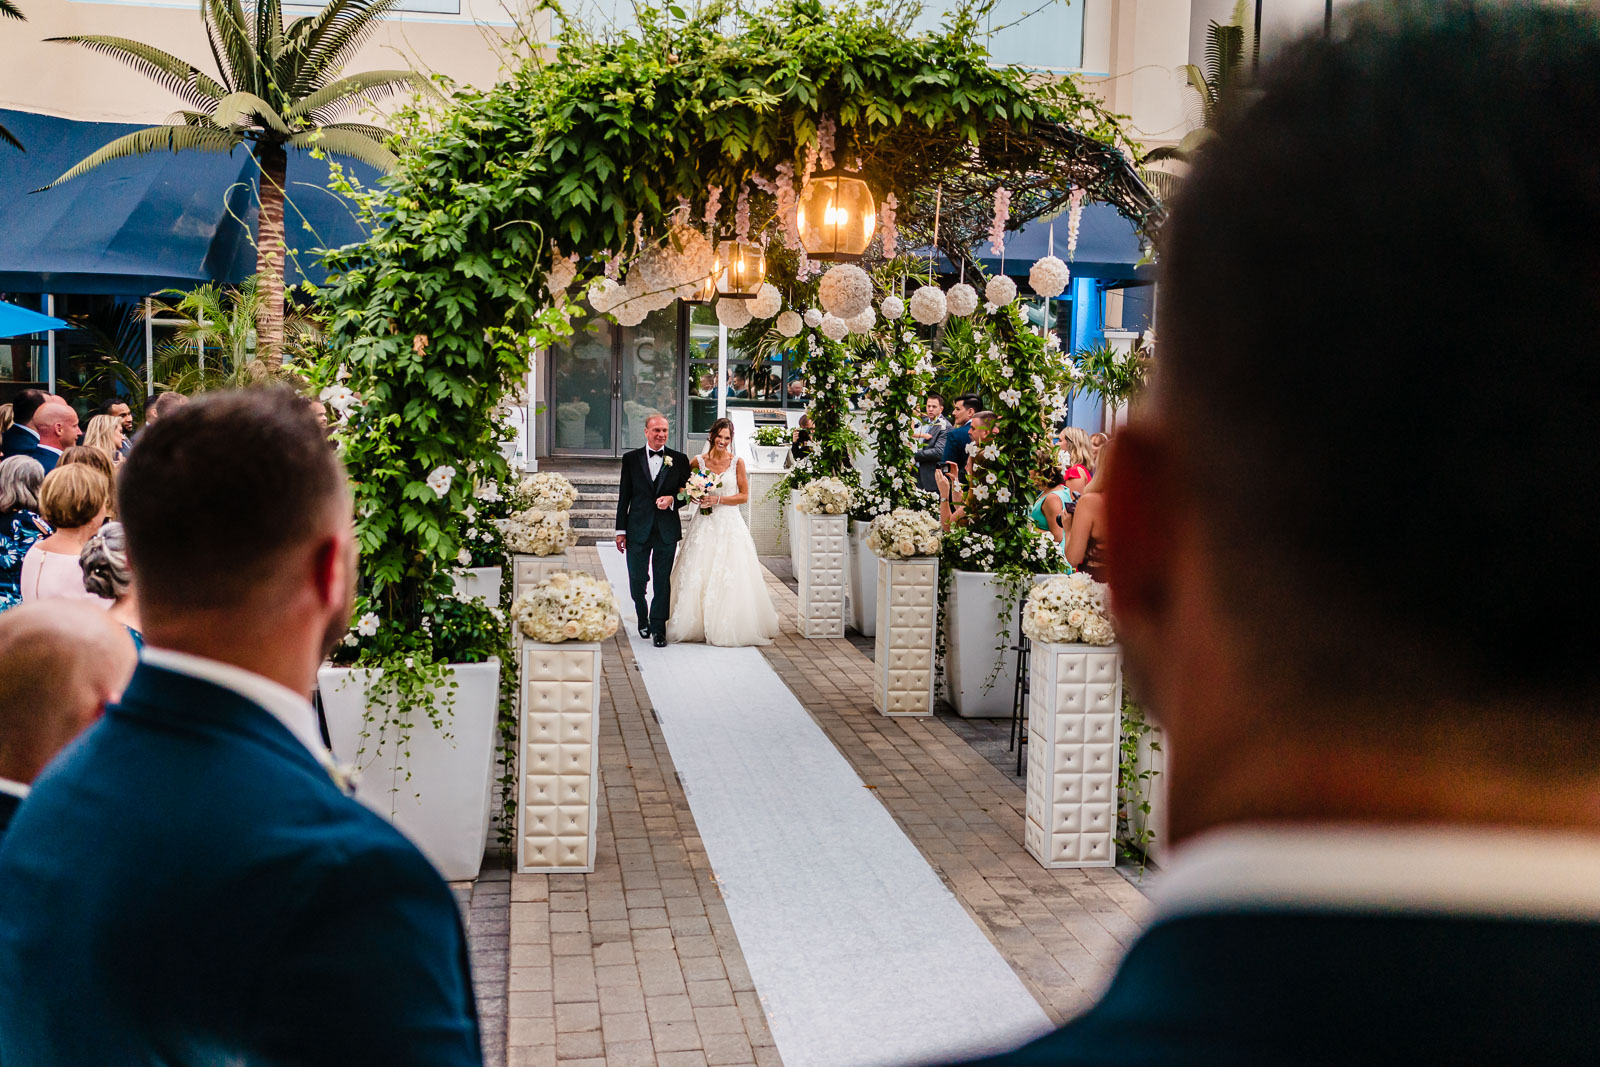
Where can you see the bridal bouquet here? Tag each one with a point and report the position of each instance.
(1068, 608)
(567, 606)
(825, 496)
(700, 484)
(546, 491)
(904, 533)
(542, 533)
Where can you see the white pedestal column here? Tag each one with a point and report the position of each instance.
(1074, 730)
(479, 582)
(863, 596)
(907, 627)
(824, 554)
(528, 571)
(558, 754)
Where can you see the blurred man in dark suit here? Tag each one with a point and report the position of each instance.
(20, 437)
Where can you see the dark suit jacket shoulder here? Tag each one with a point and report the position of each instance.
(637, 515)
(16, 441)
(8, 811)
(189, 877)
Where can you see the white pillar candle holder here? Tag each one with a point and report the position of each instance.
(1074, 731)
(824, 555)
(908, 627)
(558, 757)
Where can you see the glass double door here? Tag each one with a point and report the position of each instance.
(608, 379)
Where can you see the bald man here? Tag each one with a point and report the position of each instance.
(56, 423)
(61, 663)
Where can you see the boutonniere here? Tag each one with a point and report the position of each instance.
(344, 775)
(666, 461)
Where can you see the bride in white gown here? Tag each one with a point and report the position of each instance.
(719, 588)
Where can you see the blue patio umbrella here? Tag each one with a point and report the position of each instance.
(15, 321)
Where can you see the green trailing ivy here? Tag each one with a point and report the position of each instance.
(830, 372)
(896, 383)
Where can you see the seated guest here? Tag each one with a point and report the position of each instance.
(105, 433)
(60, 666)
(1383, 776)
(56, 425)
(95, 458)
(20, 437)
(20, 524)
(1086, 525)
(1050, 509)
(72, 499)
(106, 574)
(952, 497)
(1079, 456)
(978, 428)
(189, 883)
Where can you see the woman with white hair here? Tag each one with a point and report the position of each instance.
(106, 574)
(20, 524)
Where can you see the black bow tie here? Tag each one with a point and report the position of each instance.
(654, 452)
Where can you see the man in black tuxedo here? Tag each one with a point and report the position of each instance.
(648, 529)
(1381, 701)
(20, 437)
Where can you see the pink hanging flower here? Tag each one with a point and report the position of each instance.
(713, 202)
(891, 235)
(826, 129)
(788, 205)
(997, 229)
(741, 215)
(1074, 220)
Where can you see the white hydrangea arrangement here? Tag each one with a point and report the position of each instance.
(834, 328)
(892, 307)
(567, 606)
(733, 313)
(538, 533)
(824, 496)
(1049, 276)
(767, 303)
(864, 322)
(1068, 608)
(813, 318)
(961, 300)
(1000, 291)
(928, 305)
(904, 533)
(790, 324)
(845, 291)
(545, 491)
(605, 294)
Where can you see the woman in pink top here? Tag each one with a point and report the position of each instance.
(72, 499)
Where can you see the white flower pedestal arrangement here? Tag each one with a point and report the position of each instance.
(444, 805)
(1074, 735)
(528, 570)
(558, 755)
(974, 652)
(907, 632)
(863, 595)
(482, 582)
(824, 556)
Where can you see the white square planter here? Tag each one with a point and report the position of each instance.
(973, 649)
(528, 571)
(1074, 730)
(479, 582)
(824, 558)
(558, 751)
(444, 805)
(907, 628)
(863, 596)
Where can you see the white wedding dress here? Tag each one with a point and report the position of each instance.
(719, 588)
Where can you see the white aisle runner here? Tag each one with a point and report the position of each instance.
(860, 954)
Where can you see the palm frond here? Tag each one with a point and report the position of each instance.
(196, 87)
(1165, 152)
(346, 142)
(154, 139)
(366, 87)
(234, 107)
(269, 31)
(9, 138)
(337, 40)
(10, 10)
(1224, 62)
(377, 133)
(228, 31)
(1163, 183)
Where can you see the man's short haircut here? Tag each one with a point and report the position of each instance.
(72, 495)
(218, 491)
(106, 405)
(985, 417)
(969, 401)
(26, 404)
(165, 404)
(1399, 562)
(936, 396)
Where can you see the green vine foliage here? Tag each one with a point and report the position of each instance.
(1134, 782)
(830, 372)
(896, 383)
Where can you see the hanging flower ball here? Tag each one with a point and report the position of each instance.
(1049, 276)
(734, 313)
(845, 291)
(961, 300)
(631, 312)
(790, 324)
(813, 318)
(605, 294)
(928, 305)
(768, 302)
(1000, 290)
(834, 328)
(892, 307)
(562, 271)
(864, 322)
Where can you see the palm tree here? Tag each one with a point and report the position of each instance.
(1216, 91)
(11, 11)
(277, 88)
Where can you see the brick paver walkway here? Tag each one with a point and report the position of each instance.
(639, 964)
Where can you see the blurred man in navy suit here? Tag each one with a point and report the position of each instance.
(61, 663)
(187, 883)
(20, 437)
(1376, 671)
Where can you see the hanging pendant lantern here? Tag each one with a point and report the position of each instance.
(837, 216)
(745, 270)
(706, 290)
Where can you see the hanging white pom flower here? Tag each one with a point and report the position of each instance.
(892, 307)
(961, 300)
(733, 313)
(605, 294)
(631, 313)
(834, 328)
(845, 291)
(1049, 276)
(813, 318)
(562, 271)
(1000, 290)
(440, 478)
(864, 322)
(768, 302)
(790, 324)
(928, 305)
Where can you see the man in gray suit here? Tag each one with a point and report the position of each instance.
(932, 434)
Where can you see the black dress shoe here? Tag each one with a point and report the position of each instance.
(661, 640)
(644, 629)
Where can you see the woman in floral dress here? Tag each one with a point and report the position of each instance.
(20, 524)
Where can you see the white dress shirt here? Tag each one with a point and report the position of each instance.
(14, 789)
(284, 704)
(1422, 869)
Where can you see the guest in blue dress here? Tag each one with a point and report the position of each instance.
(106, 574)
(20, 524)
